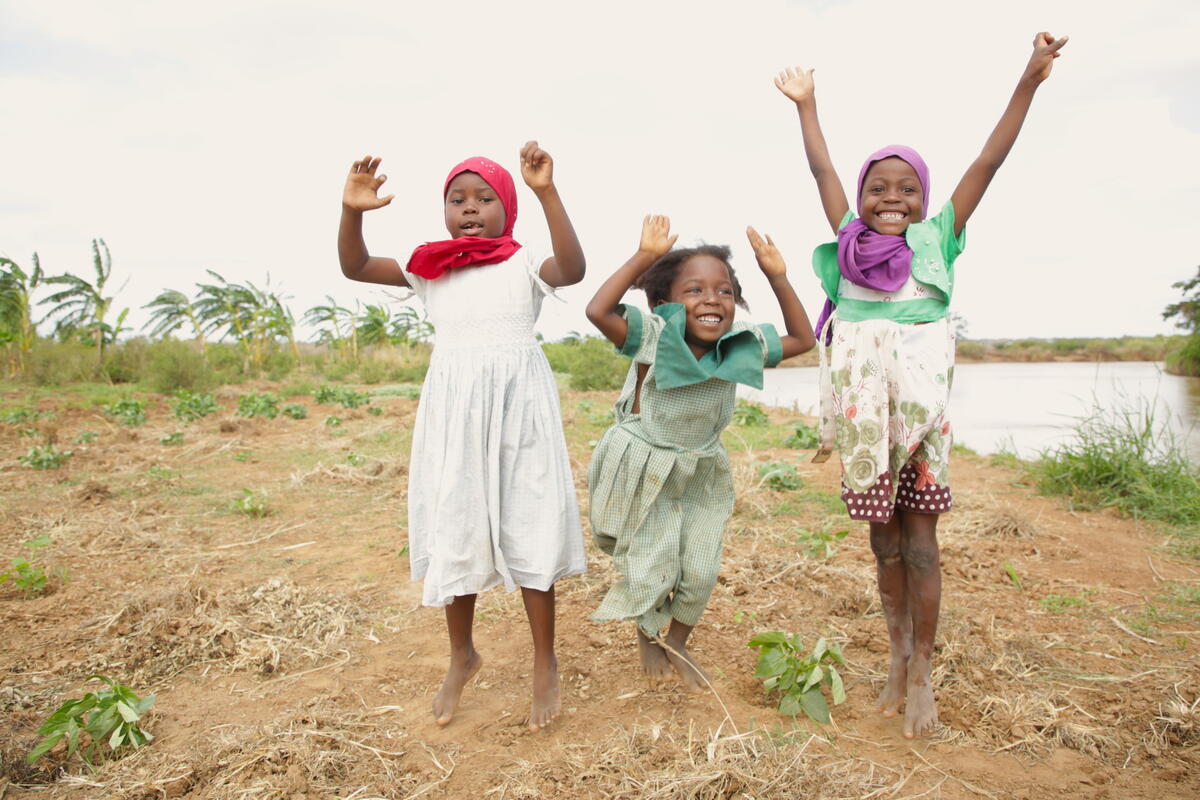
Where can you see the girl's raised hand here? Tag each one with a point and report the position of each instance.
(770, 260)
(1045, 50)
(796, 83)
(537, 168)
(362, 187)
(656, 236)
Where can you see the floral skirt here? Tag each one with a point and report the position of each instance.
(883, 407)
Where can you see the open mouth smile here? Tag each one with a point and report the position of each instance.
(709, 319)
(470, 227)
(891, 216)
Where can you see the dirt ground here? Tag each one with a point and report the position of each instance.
(290, 657)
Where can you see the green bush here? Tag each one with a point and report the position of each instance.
(179, 365)
(54, 363)
(805, 437)
(190, 406)
(1185, 359)
(592, 363)
(258, 405)
(127, 362)
(750, 415)
(128, 411)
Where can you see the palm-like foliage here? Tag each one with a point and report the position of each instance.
(82, 306)
(171, 310)
(335, 326)
(17, 330)
(253, 317)
(409, 325)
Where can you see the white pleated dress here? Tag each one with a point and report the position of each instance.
(490, 495)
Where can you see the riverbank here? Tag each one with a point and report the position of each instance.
(252, 572)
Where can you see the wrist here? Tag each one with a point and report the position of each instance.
(349, 210)
(543, 193)
(779, 281)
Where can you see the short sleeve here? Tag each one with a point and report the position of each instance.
(641, 338)
(846, 219)
(540, 287)
(416, 283)
(950, 245)
(771, 343)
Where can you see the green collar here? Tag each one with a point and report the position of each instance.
(737, 356)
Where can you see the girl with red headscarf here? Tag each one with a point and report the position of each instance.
(491, 499)
(888, 280)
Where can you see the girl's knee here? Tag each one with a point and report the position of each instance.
(885, 541)
(920, 553)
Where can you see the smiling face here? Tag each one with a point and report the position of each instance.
(891, 197)
(704, 288)
(473, 208)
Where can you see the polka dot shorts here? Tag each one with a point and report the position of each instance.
(876, 505)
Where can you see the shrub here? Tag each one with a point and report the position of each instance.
(129, 411)
(750, 415)
(190, 406)
(54, 363)
(127, 362)
(179, 365)
(592, 363)
(805, 437)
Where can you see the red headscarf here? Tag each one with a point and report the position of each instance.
(432, 259)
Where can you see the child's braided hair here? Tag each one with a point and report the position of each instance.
(656, 281)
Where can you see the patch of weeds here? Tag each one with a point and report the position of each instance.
(827, 502)
(251, 504)
(28, 577)
(778, 475)
(241, 456)
(27, 433)
(820, 544)
(258, 405)
(784, 668)
(412, 391)
(962, 450)
(109, 717)
(128, 411)
(86, 437)
(356, 459)
(804, 437)
(1064, 603)
(1182, 594)
(172, 438)
(161, 473)
(740, 616)
(44, 457)
(21, 416)
(342, 396)
(295, 411)
(333, 422)
(750, 415)
(190, 406)
(375, 411)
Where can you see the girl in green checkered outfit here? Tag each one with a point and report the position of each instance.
(661, 489)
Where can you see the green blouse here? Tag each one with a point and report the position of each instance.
(935, 248)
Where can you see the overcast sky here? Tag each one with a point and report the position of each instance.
(217, 135)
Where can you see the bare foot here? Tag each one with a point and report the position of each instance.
(892, 696)
(693, 677)
(457, 676)
(546, 701)
(654, 660)
(920, 713)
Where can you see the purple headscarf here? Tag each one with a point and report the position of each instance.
(873, 260)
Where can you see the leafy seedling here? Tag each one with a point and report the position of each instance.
(108, 717)
(47, 457)
(779, 475)
(356, 459)
(295, 411)
(783, 668)
(374, 411)
(258, 405)
(86, 437)
(1011, 571)
(750, 415)
(128, 411)
(333, 422)
(805, 437)
(342, 396)
(172, 438)
(30, 578)
(820, 544)
(190, 406)
(251, 504)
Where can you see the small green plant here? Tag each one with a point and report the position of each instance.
(750, 415)
(374, 411)
(342, 396)
(86, 437)
(108, 717)
(258, 405)
(804, 437)
(295, 411)
(190, 406)
(161, 473)
(1062, 603)
(1011, 571)
(20, 416)
(779, 475)
(44, 457)
(333, 422)
(356, 459)
(241, 456)
(128, 411)
(783, 668)
(172, 438)
(820, 544)
(252, 504)
(30, 578)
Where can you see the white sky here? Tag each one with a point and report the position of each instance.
(217, 135)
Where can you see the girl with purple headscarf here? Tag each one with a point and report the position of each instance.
(888, 279)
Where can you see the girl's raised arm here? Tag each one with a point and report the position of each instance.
(362, 194)
(975, 182)
(566, 267)
(797, 85)
(800, 338)
(602, 310)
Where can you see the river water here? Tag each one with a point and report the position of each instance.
(1028, 408)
